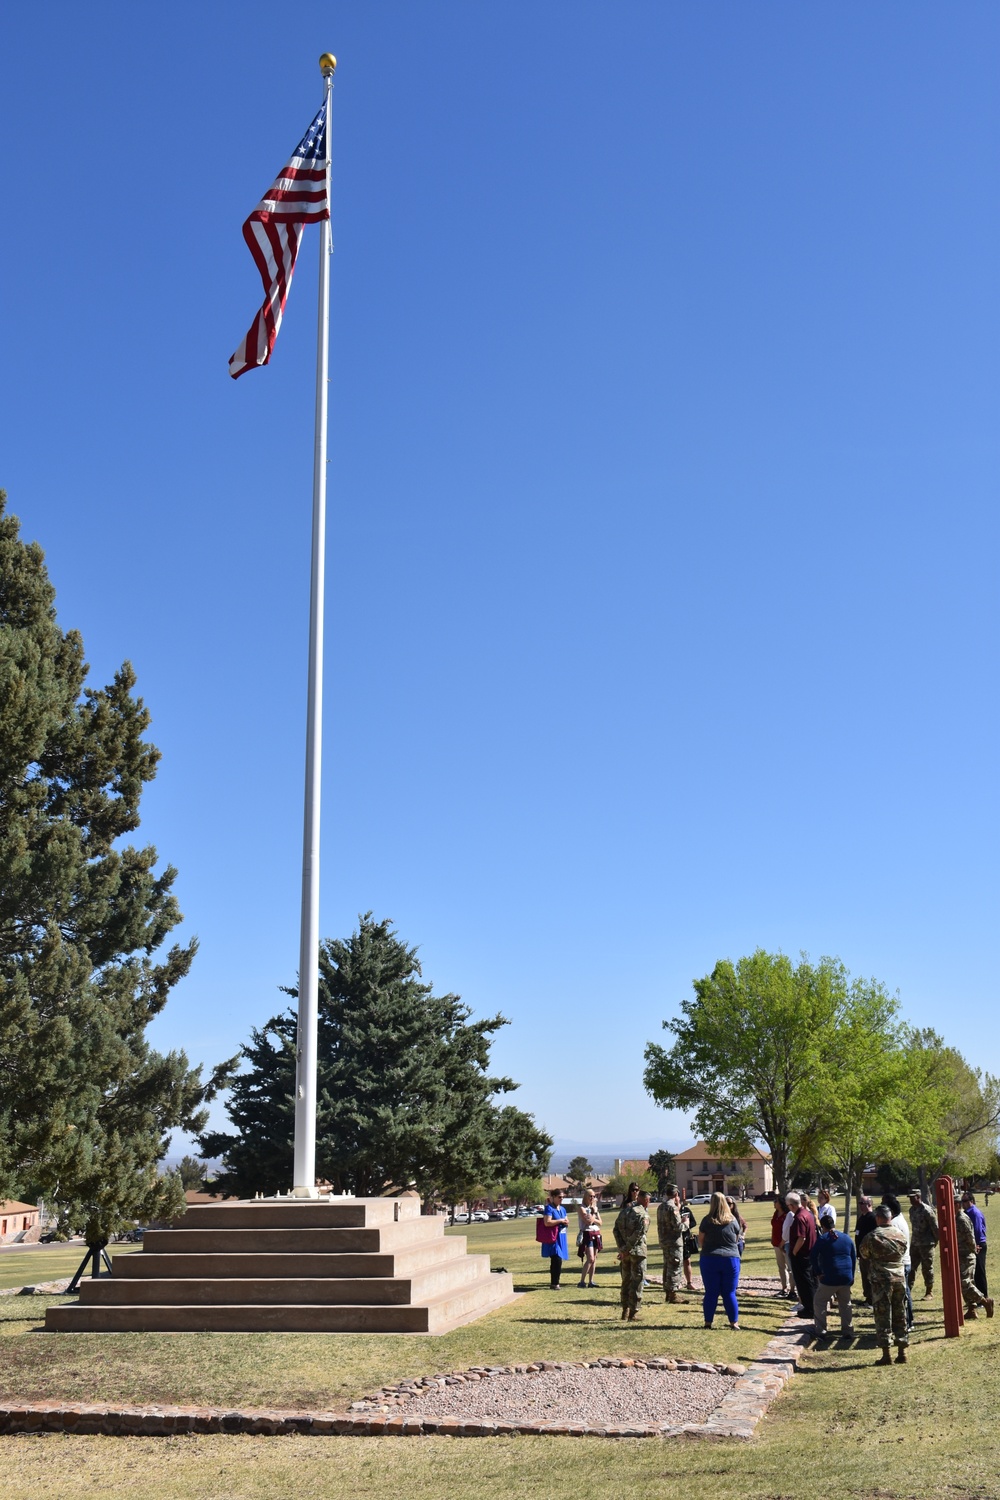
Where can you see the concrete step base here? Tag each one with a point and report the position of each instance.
(438, 1315)
(303, 1213)
(449, 1276)
(405, 1263)
(365, 1265)
(387, 1238)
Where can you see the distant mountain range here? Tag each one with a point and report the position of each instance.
(602, 1154)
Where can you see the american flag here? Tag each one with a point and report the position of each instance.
(273, 232)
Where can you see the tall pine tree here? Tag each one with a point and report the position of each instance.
(405, 1095)
(85, 1104)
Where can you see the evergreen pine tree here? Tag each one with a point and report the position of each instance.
(85, 1105)
(662, 1163)
(405, 1096)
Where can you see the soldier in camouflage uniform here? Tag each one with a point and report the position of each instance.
(923, 1238)
(884, 1250)
(966, 1236)
(670, 1233)
(619, 1238)
(634, 1220)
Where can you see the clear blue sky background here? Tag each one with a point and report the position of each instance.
(663, 530)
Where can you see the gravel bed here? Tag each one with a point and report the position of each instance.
(594, 1396)
(750, 1286)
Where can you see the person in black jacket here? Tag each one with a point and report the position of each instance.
(866, 1223)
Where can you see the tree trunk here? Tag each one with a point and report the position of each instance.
(848, 1186)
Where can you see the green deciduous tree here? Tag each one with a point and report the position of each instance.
(865, 1110)
(751, 1053)
(955, 1108)
(739, 1183)
(617, 1186)
(85, 1104)
(405, 1095)
(524, 1190)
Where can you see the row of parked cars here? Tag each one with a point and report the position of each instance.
(481, 1216)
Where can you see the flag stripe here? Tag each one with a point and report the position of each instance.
(273, 233)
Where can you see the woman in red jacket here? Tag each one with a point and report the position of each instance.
(777, 1222)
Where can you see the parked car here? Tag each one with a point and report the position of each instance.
(480, 1216)
(700, 1198)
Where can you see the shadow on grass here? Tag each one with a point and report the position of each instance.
(645, 1325)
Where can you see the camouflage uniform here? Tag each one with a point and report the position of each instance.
(670, 1233)
(966, 1236)
(923, 1238)
(884, 1249)
(634, 1222)
(619, 1238)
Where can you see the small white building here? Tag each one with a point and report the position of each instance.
(19, 1222)
(698, 1171)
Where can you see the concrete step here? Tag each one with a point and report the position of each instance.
(438, 1315)
(301, 1213)
(447, 1278)
(452, 1309)
(384, 1238)
(266, 1266)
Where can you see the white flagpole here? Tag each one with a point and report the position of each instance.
(304, 1184)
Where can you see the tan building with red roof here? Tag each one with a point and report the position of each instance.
(701, 1171)
(19, 1222)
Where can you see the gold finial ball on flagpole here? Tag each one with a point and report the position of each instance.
(328, 65)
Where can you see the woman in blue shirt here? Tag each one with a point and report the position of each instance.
(558, 1251)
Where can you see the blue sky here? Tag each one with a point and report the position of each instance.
(663, 531)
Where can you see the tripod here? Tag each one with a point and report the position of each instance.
(95, 1254)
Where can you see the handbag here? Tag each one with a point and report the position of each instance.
(546, 1234)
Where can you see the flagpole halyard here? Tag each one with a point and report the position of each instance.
(304, 1169)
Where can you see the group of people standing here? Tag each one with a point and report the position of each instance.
(817, 1264)
(719, 1242)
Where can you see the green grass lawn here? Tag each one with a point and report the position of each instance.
(842, 1427)
(47, 1263)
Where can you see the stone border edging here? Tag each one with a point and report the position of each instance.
(735, 1417)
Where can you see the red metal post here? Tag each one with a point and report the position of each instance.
(951, 1281)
